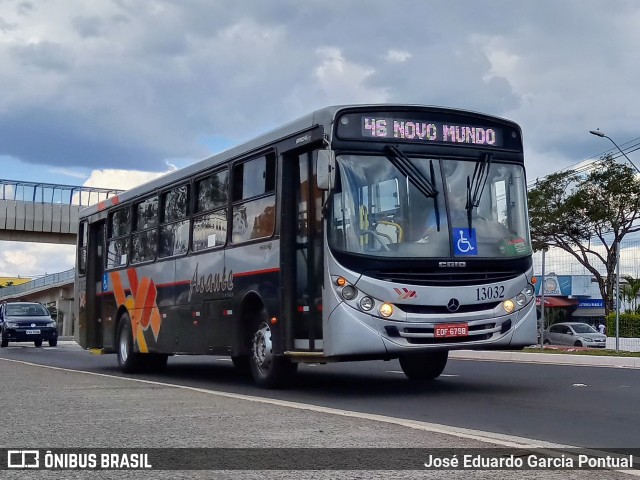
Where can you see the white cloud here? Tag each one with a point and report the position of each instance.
(35, 259)
(397, 56)
(120, 179)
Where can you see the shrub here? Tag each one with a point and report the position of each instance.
(629, 325)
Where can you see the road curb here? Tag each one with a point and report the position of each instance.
(548, 358)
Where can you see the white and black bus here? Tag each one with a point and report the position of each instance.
(357, 232)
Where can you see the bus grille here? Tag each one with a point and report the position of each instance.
(443, 310)
(443, 279)
(478, 331)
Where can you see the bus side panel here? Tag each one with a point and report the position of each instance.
(203, 302)
(256, 272)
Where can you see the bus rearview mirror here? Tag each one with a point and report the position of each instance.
(326, 169)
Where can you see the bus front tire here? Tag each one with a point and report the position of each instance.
(424, 366)
(269, 370)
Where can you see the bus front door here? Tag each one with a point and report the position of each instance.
(301, 253)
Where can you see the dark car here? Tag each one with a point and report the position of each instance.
(27, 322)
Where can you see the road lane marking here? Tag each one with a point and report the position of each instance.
(510, 441)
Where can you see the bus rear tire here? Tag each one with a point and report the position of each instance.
(424, 366)
(128, 360)
(268, 370)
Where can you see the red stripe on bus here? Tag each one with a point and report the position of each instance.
(256, 272)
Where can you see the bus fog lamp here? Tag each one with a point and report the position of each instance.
(366, 303)
(386, 309)
(508, 306)
(521, 299)
(349, 292)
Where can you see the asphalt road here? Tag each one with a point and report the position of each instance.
(580, 406)
(52, 408)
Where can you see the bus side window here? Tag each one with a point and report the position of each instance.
(210, 226)
(253, 218)
(82, 248)
(118, 245)
(174, 228)
(145, 238)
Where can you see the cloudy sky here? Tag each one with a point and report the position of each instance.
(92, 90)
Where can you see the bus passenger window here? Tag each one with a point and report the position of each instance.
(210, 230)
(255, 218)
(212, 191)
(174, 230)
(118, 245)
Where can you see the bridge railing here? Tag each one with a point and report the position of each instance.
(53, 193)
(38, 284)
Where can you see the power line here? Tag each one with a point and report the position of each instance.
(588, 164)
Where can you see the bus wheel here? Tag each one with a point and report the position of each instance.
(424, 366)
(128, 360)
(268, 370)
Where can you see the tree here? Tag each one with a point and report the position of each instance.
(570, 209)
(630, 292)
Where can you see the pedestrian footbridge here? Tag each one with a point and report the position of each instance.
(44, 212)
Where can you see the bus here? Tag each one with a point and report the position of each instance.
(357, 232)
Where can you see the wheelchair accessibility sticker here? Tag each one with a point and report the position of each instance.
(465, 242)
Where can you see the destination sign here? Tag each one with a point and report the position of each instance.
(429, 131)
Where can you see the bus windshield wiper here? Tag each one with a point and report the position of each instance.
(415, 176)
(476, 184)
(409, 170)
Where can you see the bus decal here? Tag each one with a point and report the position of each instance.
(141, 304)
(218, 282)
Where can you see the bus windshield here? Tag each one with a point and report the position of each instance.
(475, 207)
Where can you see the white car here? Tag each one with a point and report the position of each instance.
(574, 334)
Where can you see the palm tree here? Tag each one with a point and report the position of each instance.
(630, 291)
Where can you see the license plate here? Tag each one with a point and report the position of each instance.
(444, 330)
(33, 332)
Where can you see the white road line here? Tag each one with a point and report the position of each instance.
(510, 441)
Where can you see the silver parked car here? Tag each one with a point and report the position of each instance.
(574, 334)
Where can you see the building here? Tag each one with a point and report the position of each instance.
(570, 298)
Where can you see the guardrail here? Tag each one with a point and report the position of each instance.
(51, 280)
(53, 193)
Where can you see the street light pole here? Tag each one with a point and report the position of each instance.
(598, 133)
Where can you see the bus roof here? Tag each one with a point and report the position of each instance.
(323, 116)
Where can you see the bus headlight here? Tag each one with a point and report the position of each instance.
(528, 290)
(508, 306)
(386, 309)
(349, 292)
(366, 303)
(521, 299)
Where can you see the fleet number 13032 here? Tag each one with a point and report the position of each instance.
(491, 292)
